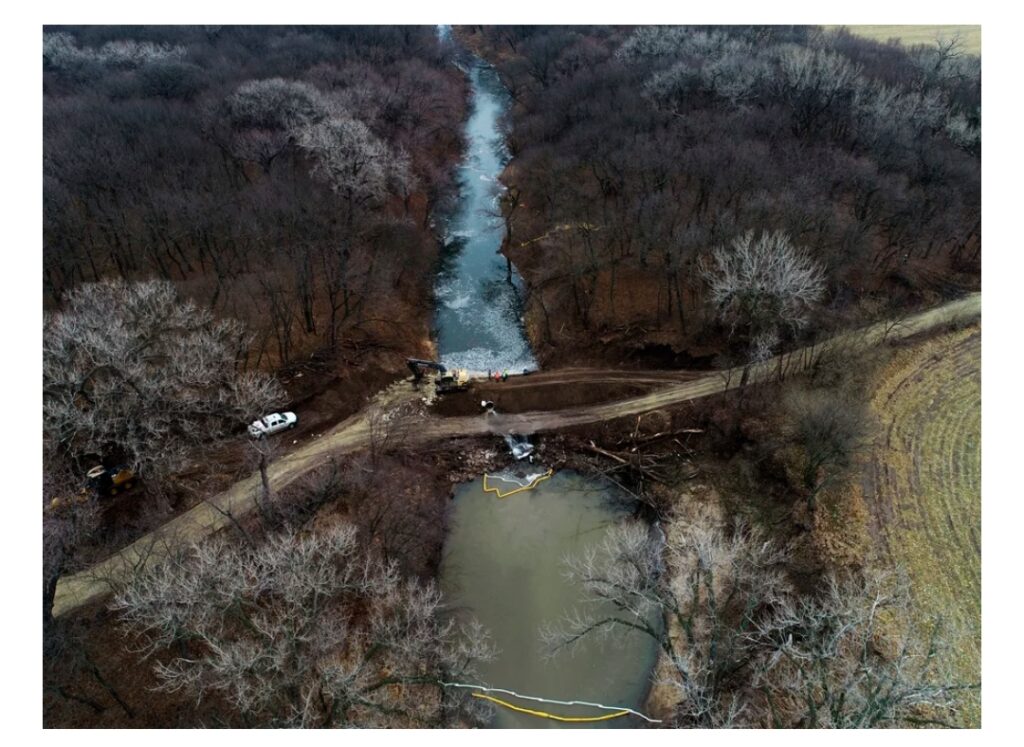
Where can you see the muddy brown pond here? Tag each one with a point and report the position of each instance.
(504, 563)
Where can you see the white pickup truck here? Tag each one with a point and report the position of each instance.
(273, 423)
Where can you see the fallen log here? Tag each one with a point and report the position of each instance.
(604, 452)
(633, 442)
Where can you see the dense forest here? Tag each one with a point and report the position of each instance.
(225, 207)
(639, 153)
(283, 178)
(245, 219)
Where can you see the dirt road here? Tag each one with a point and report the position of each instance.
(597, 376)
(354, 433)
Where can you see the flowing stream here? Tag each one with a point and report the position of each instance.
(504, 557)
(478, 321)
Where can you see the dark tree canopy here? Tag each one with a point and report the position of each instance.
(282, 176)
(640, 151)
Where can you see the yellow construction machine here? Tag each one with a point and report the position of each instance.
(448, 379)
(110, 480)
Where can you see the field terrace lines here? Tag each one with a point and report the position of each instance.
(354, 433)
(910, 35)
(924, 475)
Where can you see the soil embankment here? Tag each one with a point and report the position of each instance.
(559, 389)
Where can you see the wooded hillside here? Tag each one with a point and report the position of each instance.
(280, 176)
(640, 152)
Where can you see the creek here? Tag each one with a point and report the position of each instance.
(504, 557)
(478, 320)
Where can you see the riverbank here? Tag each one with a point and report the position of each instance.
(399, 497)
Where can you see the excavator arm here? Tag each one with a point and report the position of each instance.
(417, 366)
(456, 380)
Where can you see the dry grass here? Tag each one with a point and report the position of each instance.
(926, 474)
(839, 536)
(911, 35)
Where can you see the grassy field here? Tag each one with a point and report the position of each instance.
(924, 483)
(910, 35)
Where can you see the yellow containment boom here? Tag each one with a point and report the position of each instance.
(552, 716)
(615, 711)
(529, 486)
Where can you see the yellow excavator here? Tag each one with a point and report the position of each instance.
(99, 481)
(448, 379)
(110, 480)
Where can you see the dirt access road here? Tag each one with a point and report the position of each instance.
(357, 432)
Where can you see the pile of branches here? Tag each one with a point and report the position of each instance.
(646, 464)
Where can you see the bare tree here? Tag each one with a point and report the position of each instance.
(963, 133)
(337, 276)
(829, 428)
(853, 657)
(60, 50)
(763, 284)
(731, 68)
(304, 630)
(353, 161)
(276, 103)
(744, 648)
(943, 61)
(815, 83)
(265, 115)
(893, 110)
(654, 41)
(697, 594)
(388, 428)
(261, 453)
(132, 370)
(68, 663)
(69, 519)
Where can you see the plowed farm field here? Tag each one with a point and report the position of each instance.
(924, 483)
